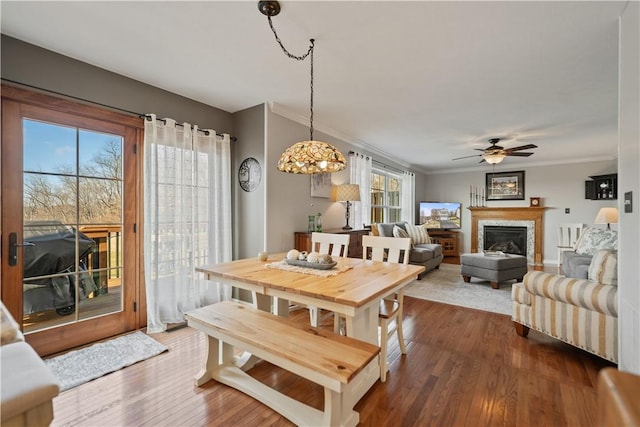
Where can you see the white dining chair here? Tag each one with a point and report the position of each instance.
(336, 245)
(394, 250)
(329, 243)
(568, 235)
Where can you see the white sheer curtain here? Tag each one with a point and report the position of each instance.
(408, 199)
(360, 173)
(187, 217)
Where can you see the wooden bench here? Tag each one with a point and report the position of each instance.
(337, 363)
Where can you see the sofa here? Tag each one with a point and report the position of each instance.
(576, 263)
(423, 252)
(28, 386)
(580, 312)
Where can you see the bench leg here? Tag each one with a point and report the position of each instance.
(211, 363)
(222, 354)
(337, 412)
(338, 407)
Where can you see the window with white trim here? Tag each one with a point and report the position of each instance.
(385, 196)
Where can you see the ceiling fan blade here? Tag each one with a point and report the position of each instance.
(519, 154)
(482, 161)
(466, 157)
(522, 147)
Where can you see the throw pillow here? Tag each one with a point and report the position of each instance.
(399, 232)
(418, 234)
(385, 229)
(604, 267)
(593, 239)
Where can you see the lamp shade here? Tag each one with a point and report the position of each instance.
(607, 216)
(309, 157)
(494, 159)
(348, 193)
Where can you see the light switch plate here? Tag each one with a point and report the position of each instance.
(628, 205)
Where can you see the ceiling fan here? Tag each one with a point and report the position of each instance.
(495, 153)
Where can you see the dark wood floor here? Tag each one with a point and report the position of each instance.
(463, 368)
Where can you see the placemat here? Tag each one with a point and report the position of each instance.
(281, 265)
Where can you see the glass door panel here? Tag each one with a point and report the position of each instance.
(73, 219)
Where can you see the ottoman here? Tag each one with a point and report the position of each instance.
(496, 269)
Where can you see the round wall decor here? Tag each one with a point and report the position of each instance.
(249, 174)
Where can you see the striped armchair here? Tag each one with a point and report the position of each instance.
(583, 313)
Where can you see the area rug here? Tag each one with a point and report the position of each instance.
(446, 285)
(80, 366)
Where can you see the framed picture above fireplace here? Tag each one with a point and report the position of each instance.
(505, 185)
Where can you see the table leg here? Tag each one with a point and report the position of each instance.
(281, 307)
(364, 325)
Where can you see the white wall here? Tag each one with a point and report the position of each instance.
(629, 163)
(559, 186)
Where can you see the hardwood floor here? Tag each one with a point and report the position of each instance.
(463, 368)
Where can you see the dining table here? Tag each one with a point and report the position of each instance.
(353, 290)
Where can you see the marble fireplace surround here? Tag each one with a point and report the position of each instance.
(530, 217)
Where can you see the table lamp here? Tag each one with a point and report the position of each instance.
(348, 193)
(607, 216)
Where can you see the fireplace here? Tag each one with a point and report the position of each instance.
(511, 240)
(529, 217)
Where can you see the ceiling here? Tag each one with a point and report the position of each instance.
(420, 82)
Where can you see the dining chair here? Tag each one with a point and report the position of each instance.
(568, 235)
(332, 244)
(393, 250)
(336, 245)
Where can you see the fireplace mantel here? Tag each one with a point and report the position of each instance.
(534, 214)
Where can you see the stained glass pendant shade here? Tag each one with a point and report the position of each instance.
(309, 157)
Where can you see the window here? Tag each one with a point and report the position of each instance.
(385, 196)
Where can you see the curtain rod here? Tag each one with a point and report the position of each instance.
(379, 163)
(141, 115)
(206, 132)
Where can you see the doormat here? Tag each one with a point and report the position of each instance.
(445, 285)
(80, 366)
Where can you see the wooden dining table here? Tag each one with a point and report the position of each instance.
(354, 293)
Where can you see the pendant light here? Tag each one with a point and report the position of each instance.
(310, 156)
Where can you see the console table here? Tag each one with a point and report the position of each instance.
(448, 240)
(302, 240)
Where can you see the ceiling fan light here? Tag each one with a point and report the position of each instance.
(494, 159)
(309, 157)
